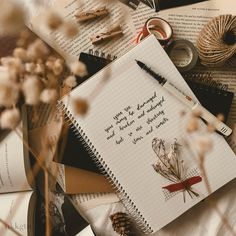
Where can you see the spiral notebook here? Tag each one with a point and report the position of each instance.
(132, 124)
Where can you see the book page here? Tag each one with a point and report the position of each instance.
(12, 169)
(21, 218)
(131, 112)
(71, 48)
(196, 16)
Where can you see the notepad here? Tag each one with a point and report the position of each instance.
(127, 127)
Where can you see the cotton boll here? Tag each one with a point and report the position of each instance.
(4, 73)
(37, 49)
(70, 81)
(39, 69)
(30, 67)
(10, 118)
(78, 68)
(20, 53)
(14, 64)
(52, 80)
(9, 93)
(58, 67)
(49, 96)
(32, 88)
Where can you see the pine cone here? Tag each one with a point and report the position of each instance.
(121, 224)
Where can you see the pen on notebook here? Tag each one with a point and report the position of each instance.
(204, 113)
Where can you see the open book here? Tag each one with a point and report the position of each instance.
(17, 198)
(130, 126)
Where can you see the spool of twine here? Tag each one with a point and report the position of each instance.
(217, 42)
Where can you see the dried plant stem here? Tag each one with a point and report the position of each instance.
(47, 214)
(40, 163)
(211, 201)
(30, 177)
(203, 172)
(222, 216)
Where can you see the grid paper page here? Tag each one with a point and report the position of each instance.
(132, 110)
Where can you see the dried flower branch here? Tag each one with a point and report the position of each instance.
(171, 167)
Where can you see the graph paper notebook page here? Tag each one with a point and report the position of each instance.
(127, 127)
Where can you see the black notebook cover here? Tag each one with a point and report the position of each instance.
(75, 154)
(215, 100)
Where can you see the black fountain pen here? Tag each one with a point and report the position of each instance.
(188, 101)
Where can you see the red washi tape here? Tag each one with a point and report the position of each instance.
(158, 27)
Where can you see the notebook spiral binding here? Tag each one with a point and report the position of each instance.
(102, 54)
(105, 170)
(205, 78)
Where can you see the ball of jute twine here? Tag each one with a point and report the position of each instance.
(217, 42)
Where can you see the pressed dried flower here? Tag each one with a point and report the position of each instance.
(70, 81)
(78, 68)
(10, 118)
(53, 20)
(11, 18)
(49, 96)
(37, 49)
(32, 88)
(69, 29)
(193, 124)
(20, 53)
(9, 93)
(80, 106)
